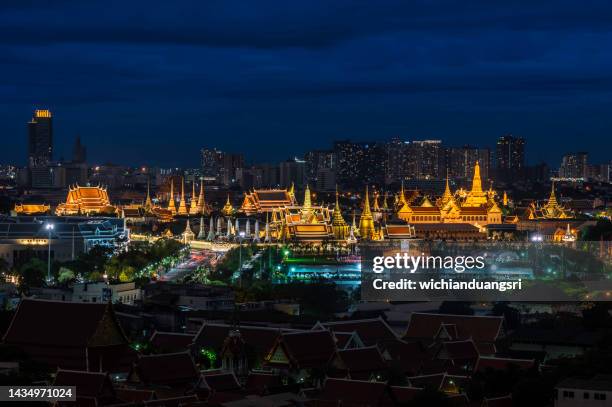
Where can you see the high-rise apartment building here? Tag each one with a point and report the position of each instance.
(40, 139)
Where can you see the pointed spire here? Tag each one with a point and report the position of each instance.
(291, 192)
(188, 234)
(476, 181)
(148, 203)
(228, 209)
(247, 229)
(505, 199)
(552, 200)
(402, 196)
(366, 221)
(193, 209)
(202, 232)
(219, 226)
(201, 199)
(182, 209)
(307, 201)
(447, 196)
(211, 230)
(171, 205)
(385, 205)
(256, 233)
(339, 226)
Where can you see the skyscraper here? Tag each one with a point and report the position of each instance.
(574, 165)
(426, 159)
(219, 166)
(40, 139)
(460, 162)
(510, 153)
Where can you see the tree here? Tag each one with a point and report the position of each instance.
(32, 273)
(65, 276)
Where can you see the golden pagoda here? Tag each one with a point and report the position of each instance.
(202, 208)
(193, 208)
(228, 209)
(171, 205)
(182, 209)
(291, 192)
(307, 206)
(366, 221)
(476, 207)
(266, 200)
(448, 195)
(476, 197)
(339, 226)
(552, 209)
(505, 199)
(148, 203)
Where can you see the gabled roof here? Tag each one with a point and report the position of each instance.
(370, 331)
(479, 328)
(259, 338)
(458, 350)
(305, 349)
(171, 341)
(65, 324)
(165, 369)
(360, 363)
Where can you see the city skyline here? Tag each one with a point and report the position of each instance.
(166, 83)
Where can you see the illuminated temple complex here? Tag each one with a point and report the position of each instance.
(551, 210)
(266, 200)
(86, 201)
(476, 207)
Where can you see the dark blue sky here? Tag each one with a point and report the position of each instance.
(153, 83)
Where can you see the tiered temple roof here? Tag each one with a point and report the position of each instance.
(266, 200)
(86, 200)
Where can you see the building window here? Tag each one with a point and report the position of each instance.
(599, 396)
(568, 394)
(586, 395)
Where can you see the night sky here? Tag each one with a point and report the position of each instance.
(151, 82)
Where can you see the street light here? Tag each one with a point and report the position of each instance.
(49, 227)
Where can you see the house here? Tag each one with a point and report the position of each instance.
(66, 335)
(582, 392)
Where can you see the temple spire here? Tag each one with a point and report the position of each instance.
(201, 199)
(552, 200)
(339, 226)
(171, 205)
(148, 203)
(193, 209)
(182, 209)
(366, 221)
(476, 181)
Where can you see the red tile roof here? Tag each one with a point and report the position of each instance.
(306, 349)
(479, 328)
(360, 363)
(165, 369)
(371, 331)
(171, 341)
